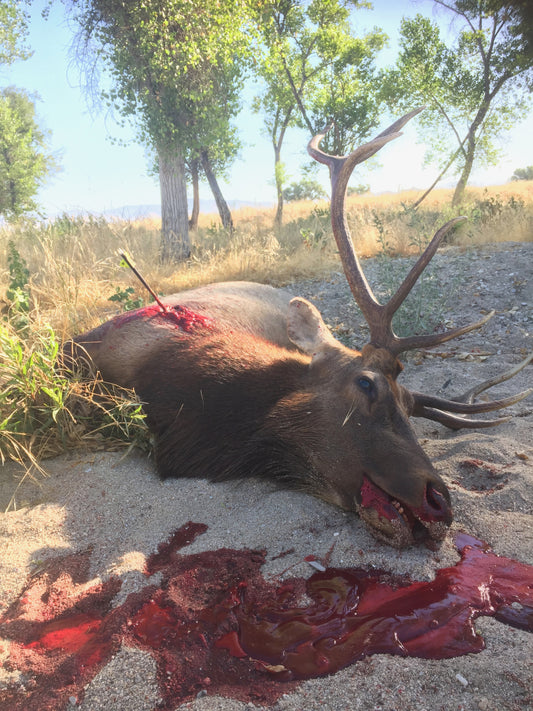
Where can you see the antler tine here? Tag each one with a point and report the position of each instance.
(378, 316)
(467, 408)
(440, 409)
(409, 343)
(455, 422)
(469, 395)
(341, 168)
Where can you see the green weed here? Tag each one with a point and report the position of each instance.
(18, 291)
(44, 411)
(127, 298)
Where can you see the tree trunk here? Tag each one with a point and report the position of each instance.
(465, 174)
(193, 222)
(278, 167)
(470, 151)
(279, 186)
(441, 175)
(223, 209)
(175, 242)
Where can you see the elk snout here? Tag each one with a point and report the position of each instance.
(400, 524)
(435, 506)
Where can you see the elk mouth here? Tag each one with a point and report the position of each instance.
(399, 525)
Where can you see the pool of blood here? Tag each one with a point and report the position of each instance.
(354, 613)
(213, 622)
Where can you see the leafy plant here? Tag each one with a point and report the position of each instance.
(385, 246)
(127, 299)
(317, 235)
(18, 291)
(45, 410)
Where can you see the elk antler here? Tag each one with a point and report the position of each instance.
(378, 316)
(439, 409)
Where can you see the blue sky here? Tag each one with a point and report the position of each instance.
(99, 175)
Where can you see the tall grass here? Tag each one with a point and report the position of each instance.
(57, 279)
(74, 268)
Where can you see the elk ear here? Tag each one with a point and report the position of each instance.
(306, 328)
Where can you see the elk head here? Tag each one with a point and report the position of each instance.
(401, 497)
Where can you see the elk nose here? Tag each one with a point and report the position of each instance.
(435, 506)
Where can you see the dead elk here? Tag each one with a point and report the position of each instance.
(241, 380)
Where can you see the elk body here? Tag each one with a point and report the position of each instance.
(241, 380)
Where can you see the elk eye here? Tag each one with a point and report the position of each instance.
(366, 385)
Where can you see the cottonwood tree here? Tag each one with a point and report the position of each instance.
(475, 88)
(24, 160)
(176, 70)
(315, 69)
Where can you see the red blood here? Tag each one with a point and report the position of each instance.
(214, 617)
(373, 497)
(184, 536)
(153, 625)
(180, 316)
(355, 613)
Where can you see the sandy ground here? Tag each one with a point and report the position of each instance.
(116, 506)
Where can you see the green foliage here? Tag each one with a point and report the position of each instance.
(474, 88)
(491, 207)
(18, 292)
(13, 32)
(523, 173)
(127, 298)
(24, 162)
(174, 72)
(306, 189)
(314, 69)
(360, 189)
(42, 411)
(316, 230)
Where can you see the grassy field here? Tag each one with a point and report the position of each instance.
(57, 278)
(74, 269)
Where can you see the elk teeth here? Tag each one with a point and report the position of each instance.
(400, 509)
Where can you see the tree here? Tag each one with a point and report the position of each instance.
(287, 50)
(24, 161)
(13, 32)
(473, 91)
(306, 189)
(521, 12)
(176, 72)
(314, 69)
(523, 173)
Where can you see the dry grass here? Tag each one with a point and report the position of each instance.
(74, 268)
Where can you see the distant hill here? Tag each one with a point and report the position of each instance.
(136, 212)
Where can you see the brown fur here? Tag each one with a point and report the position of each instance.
(225, 400)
